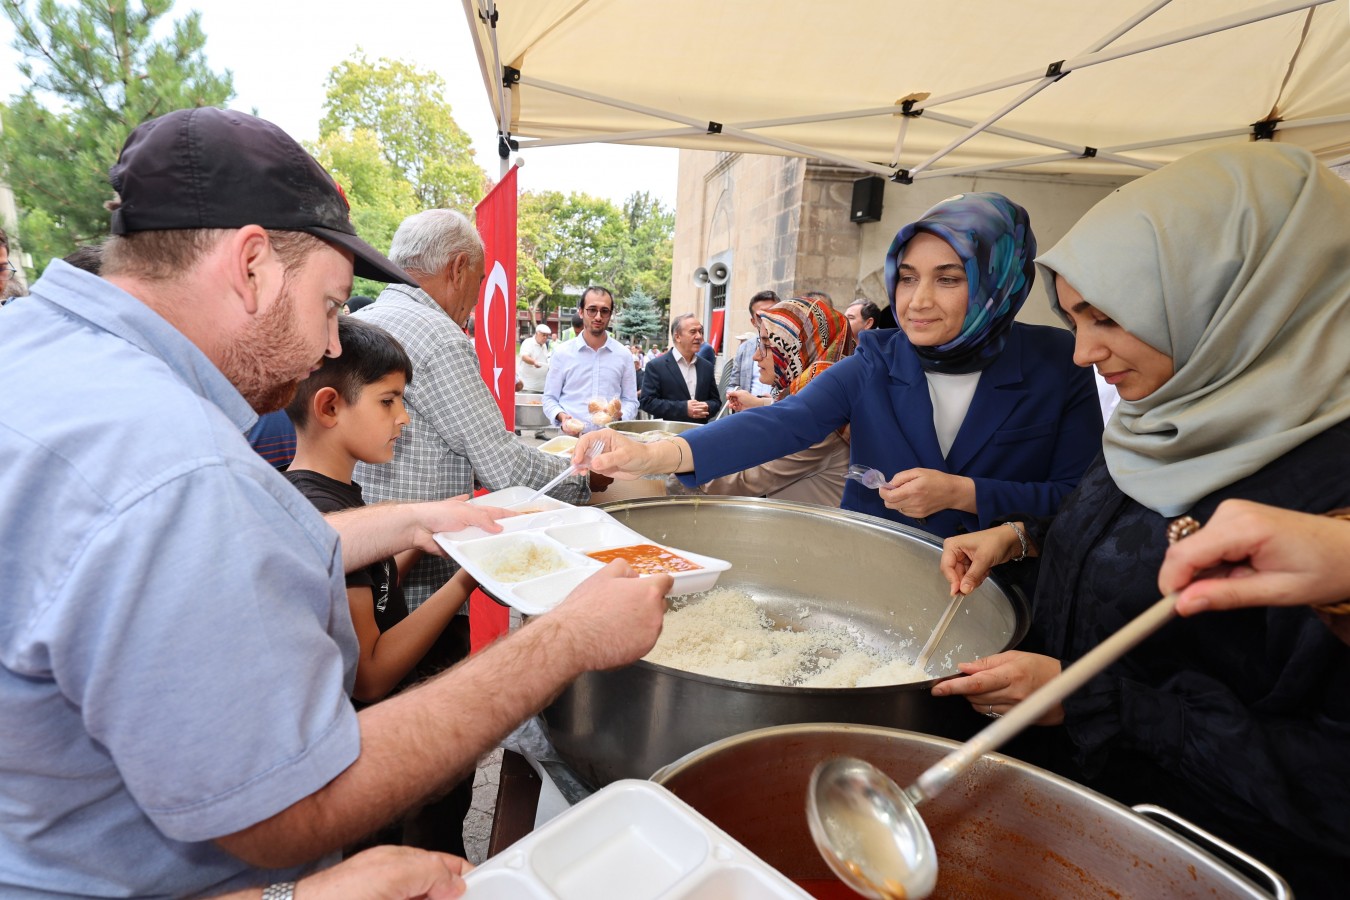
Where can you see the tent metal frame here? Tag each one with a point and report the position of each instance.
(504, 79)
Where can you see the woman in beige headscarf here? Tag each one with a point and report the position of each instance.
(1215, 295)
(798, 339)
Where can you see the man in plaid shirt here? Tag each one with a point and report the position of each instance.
(457, 434)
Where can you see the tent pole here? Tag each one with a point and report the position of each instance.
(1183, 139)
(1221, 135)
(1312, 123)
(900, 141)
(1269, 11)
(711, 127)
(1076, 149)
(487, 13)
(618, 137)
(1051, 76)
(993, 167)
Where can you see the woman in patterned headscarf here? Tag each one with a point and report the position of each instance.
(798, 339)
(970, 415)
(1215, 295)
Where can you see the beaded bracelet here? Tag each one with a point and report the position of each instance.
(1021, 538)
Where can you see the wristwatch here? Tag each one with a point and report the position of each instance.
(282, 890)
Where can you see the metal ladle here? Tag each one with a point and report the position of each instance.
(869, 830)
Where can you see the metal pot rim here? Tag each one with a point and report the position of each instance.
(1100, 803)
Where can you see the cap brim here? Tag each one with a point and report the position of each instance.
(368, 262)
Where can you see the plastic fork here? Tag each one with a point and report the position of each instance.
(595, 450)
(874, 479)
(868, 477)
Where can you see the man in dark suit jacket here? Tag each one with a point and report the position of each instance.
(666, 381)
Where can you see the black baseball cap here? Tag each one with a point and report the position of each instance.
(215, 168)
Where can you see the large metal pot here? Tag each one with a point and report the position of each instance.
(646, 426)
(1004, 829)
(880, 577)
(530, 412)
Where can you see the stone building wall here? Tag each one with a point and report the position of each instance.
(783, 223)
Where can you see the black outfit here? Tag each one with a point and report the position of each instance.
(665, 394)
(1239, 721)
(439, 824)
(330, 495)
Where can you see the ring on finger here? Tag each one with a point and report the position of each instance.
(989, 711)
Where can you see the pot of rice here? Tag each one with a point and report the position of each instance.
(818, 620)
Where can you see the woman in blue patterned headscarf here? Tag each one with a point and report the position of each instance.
(992, 237)
(969, 415)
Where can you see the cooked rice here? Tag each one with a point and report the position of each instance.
(525, 561)
(723, 633)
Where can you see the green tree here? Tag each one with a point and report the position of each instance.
(649, 247)
(94, 73)
(565, 241)
(639, 318)
(404, 108)
(380, 197)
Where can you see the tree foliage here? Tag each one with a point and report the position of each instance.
(649, 248)
(570, 241)
(94, 73)
(405, 110)
(639, 319)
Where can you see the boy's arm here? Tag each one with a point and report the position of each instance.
(417, 744)
(372, 533)
(405, 560)
(388, 657)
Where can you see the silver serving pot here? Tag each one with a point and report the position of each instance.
(879, 577)
(1004, 829)
(645, 426)
(530, 412)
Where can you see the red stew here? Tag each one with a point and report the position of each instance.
(647, 559)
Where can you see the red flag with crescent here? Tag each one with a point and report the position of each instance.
(494, 318)
(494, 337)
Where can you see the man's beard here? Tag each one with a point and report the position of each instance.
(262, 363)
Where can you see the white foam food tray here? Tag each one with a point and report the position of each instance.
(560, 446)
(632, 840)
(555, 539)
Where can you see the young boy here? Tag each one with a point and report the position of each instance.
(351, 409)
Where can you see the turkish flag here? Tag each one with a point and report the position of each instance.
(494, 332)
(494, 337)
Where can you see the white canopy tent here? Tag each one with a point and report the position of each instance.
(912, 90)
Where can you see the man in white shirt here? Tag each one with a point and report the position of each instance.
(592, 367)
(681, 385)
(534, 359)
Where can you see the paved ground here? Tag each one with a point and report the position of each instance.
(478, 824)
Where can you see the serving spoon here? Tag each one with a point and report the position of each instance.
(869, 830)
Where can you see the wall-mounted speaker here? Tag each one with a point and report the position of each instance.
(867, 194)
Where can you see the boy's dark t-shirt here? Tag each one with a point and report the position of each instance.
(330, 495)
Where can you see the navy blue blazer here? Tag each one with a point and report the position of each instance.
(665, 395)
(1033, 427)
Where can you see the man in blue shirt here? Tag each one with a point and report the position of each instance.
(176, 651)
(591, 379)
